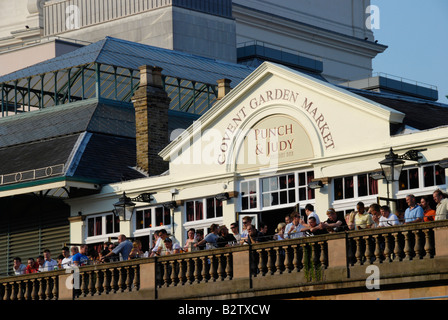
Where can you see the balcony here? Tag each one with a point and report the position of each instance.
(410, 261)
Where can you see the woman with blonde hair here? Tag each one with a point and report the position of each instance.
(280, 231)
(136, 251)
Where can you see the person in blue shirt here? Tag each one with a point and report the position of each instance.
(124, 248)
(80, 258)
(414, 213)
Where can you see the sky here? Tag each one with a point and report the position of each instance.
(416, 33)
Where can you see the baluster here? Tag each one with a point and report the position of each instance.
(229, 266)
(288, 261)
(166, 277)
(13, 291)
(359, 254)
(20, 290)
(190, 271)
(305, 255)
(398, 251)
(137, 277)
(27, 290)
(34, 292)
(314, 255)
(197, 272)
(368, 252)
(107, 281)
(41, 293)
(121, 279)
(261, 263)
(323, 254)
(279, 261)
(428, 244)
(387, 249)
(128, 271)
(174, 273)
(270, 262)
(408, 246)
(213, 270)
(48, 288)
(6, 291)
(221, 269)
(90, 286)
(296, 260)
(204, 267)
(55, 291)
(84, 283)
(419, 253)
(378, 252)
(182, 271)
(98, 284)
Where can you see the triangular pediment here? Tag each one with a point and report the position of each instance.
(284, 110)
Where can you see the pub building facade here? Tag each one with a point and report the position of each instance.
(278, 140)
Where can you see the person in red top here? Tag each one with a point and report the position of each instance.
(428, 212)
(32, 266)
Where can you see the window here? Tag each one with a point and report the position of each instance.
(248, 195)
(422, 177)
(409, 179)
(354, 186)
(152, 217)
(276, 191)
(101, 225)
(195, 209)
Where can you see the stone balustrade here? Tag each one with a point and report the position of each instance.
(326, 262)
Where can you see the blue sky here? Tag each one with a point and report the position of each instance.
(416, 33)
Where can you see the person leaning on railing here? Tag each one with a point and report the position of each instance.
(360, 219)
(442, 205)
(428, 212)
(387, 218)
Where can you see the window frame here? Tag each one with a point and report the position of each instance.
(104, 236)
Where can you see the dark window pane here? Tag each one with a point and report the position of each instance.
(199, 210)
(291, 181)
(413, 178)
(403, 181)
(440, 175)
(218, 208)
(373, 186)
(109, 223)
(116, 224)
(138, 220)
(362, 185)
(292, 196)
(302, 179)
(283, 197)
(190, 210)
(253, 202)
(167, 216)
(91, 227)
(348, 187)
(244, 203)
(274, 198)
(147, 218)
(302, 194)
(428, 176)
(338, 189)
(282, 182)
(159, 216)
(210, 208)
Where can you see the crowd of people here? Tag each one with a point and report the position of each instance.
(293, 226)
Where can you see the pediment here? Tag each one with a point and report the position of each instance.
(332, 121)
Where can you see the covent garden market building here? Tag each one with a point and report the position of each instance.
(193, 141)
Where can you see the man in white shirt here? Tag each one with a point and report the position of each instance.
(49, 264)
(67, 261)
(387, 218)
(309, 211)
(18, 267)
(442, 205)
(293, 229)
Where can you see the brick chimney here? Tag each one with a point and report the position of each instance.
(151, 105)
(223, 88)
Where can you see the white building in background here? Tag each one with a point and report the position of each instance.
(325, 37)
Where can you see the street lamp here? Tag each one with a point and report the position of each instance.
(393, 163)
(124, 208)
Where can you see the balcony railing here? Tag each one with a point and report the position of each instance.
(252, 270)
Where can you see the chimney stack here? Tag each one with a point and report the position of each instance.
(151, 104)
(223, 88)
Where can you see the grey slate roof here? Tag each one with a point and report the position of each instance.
(132, 55)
